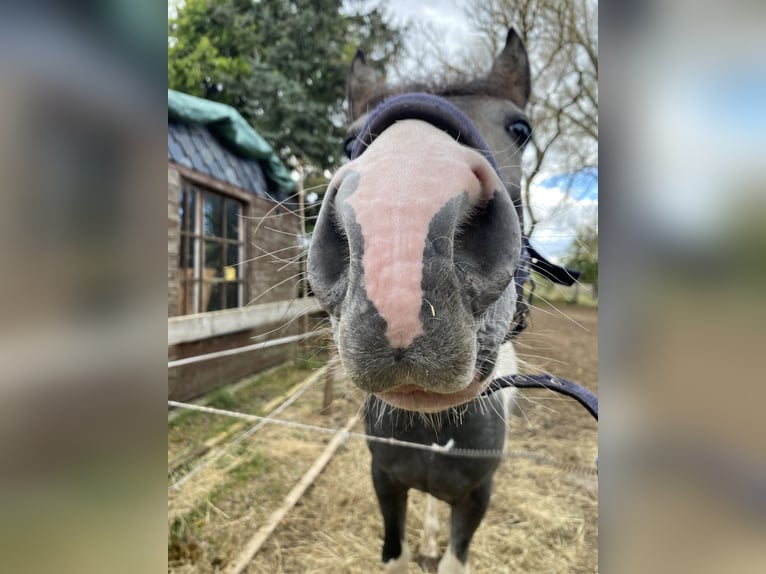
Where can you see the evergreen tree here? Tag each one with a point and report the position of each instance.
(281, 63)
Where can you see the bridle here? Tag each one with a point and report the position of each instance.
(443, 115)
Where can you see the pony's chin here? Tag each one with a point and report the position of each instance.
(416, 398)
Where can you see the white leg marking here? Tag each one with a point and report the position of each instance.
(398, 565)
(508, 365)
(429, 547)
(449, 564)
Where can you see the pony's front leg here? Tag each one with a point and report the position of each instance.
(392, 498)
(465, 519)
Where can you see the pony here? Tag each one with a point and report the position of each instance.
(418, 258)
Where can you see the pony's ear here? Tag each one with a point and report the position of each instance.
(510, 70)
(362, 82)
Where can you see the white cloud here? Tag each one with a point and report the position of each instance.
(559, 217)
(441, 13)
(445, 17)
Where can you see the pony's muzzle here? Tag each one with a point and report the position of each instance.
(409, 259)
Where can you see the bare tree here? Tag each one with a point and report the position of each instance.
(561, 37)
(562, 42)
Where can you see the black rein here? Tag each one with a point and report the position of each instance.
(579, 393)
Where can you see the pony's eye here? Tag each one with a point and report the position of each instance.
(348, 145)
(520, 131)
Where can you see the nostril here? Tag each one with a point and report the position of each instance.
(487, 243)
(328, 258)
(328, 253)
(475, 233)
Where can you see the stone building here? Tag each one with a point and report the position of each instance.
(234, 240)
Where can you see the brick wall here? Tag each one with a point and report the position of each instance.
(191, 381)
(174, 193)
(272, 231)
(268, 229)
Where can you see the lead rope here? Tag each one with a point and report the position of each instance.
(550, 382)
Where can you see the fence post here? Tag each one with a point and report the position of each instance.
(329, 386)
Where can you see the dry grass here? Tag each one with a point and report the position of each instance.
(541, 519)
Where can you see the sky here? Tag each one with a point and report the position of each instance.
(446, 14)
(563, 203)
(562, 207)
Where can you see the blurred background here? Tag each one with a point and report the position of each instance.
(682, 277)
(82, 126)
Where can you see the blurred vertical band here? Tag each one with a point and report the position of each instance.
(82, 295)
(683, 247)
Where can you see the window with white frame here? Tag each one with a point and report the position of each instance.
(211, 251)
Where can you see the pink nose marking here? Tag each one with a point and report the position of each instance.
(407, 176)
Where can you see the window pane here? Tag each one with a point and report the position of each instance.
(213, 259)
(182, 209)
(231, 273)
(232, 295)
(233, 212)
(213, 215)
(233, 260)
(186, 208)
(190, 209)
(184, 253)
(213, 296)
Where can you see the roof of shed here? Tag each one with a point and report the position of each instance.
(213, 139)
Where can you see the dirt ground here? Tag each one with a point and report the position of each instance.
(542, 518)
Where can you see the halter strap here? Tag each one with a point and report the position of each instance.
(447, 117)
(563, 386)
(428, 108)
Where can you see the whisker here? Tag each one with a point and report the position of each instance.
(557, 311)
(270, 289)
(267, 254)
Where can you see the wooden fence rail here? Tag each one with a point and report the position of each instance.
(190, 328)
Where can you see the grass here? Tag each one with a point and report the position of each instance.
(581, 295)
(245, 471)
(541, 519)
(209, 515)
(273, 382)
(249, 395)
(223, 399)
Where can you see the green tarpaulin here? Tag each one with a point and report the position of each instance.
(235, 132)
